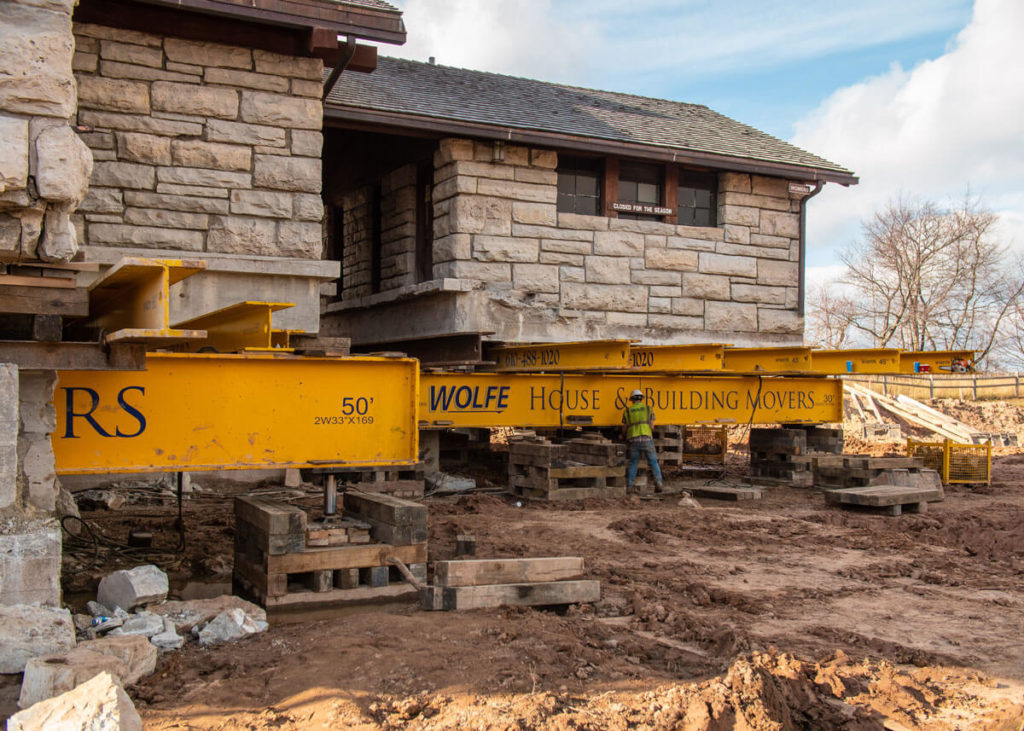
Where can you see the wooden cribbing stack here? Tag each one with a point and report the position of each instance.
(542, 470)
(893, 484)
(521, 582)
(282, 560)
(400, 481)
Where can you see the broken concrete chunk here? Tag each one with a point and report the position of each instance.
(99, 704)
(197, 612)
(442, 481)
(30, 631)
(128, 659)
(143, 624)
(51, 675)
(231, 624)
(137, 654)
(137, 587)
(169, 639)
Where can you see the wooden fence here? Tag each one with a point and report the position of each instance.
(967, 386)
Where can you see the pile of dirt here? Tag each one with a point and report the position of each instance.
(984, 416)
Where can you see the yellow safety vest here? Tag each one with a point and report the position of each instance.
(638, 420)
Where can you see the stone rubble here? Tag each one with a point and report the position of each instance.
(136, 587)
(231, 624)
(188, 614)
(143, 624)
(100, 704)
(168, 639)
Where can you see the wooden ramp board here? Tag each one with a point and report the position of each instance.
(519, 595)
(477, 572)
(726, 492)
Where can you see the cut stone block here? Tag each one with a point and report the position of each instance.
(136, 587)
(29, 631)
(99, 704)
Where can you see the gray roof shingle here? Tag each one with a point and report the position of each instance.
(448, 93)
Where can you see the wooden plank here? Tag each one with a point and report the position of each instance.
(882, 496)
(345, 557)
(724, 492)
(345, 597)
(385, 508)
(587, 471)
(507, 570)
(44, 301)
(396, 535)
(15, 280)
(270, 516)
(519, 595)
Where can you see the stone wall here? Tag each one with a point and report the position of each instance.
(397, 235)
(199, 147)
(44, 166)
(497, 223)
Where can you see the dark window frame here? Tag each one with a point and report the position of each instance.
(580, 185)
(701, 190)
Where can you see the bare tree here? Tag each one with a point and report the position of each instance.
(829, 318)
(931, 278)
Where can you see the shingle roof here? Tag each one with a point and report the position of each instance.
(375, 4)
(448, 93)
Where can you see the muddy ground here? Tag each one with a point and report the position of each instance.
(779, 613)
(771, 614)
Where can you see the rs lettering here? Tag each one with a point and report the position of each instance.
(76, 408)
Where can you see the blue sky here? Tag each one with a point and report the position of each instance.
(921, 98)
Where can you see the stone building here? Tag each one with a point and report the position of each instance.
(462, 201)
(162, 128)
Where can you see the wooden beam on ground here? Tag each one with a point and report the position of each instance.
(345, 557)
(548, 593)
(507, 570)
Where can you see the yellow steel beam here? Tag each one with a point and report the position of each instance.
(200, 412)
(868, 360)
(701, 357)
(576, 356)
(244, 326)
(768, 360)
(937, 361)
(131, 301)
(535, 400)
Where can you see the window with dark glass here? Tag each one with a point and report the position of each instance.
(697, 206)
(579, 185)
(642, 184)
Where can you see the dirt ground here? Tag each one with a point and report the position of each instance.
(771, 614)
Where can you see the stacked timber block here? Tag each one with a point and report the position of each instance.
(282, 560)
(785, 456)
(468, 447)
(542, 470)
(591, 448)
(483, 583)
(779, 456)
(400, 481)
(844, 471)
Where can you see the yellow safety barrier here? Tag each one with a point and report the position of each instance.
(955, 463)
(705, 444)
(201, 412)
(552, 400)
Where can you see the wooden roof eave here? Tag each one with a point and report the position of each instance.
(383, 121)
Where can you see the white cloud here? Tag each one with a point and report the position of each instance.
(518, 37)
(948, 126)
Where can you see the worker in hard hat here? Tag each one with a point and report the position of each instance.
(637, 420)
